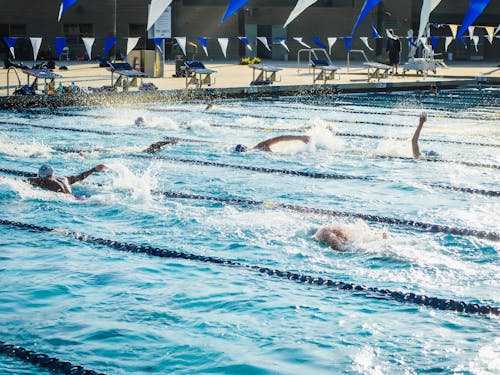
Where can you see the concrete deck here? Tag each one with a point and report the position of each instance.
(233, 79)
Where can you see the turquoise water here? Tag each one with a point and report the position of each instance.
(124, 313)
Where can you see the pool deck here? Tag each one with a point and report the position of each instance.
(233, 80)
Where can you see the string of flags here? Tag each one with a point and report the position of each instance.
(427, 42)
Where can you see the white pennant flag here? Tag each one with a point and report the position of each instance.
(475, 39)
(131, 43)
(389, 35)
(283, 43)
(489, 31)
(156, 9)
(497, 30)
(331, 42)
(36, 43)
(299, 39)
(453, 29)
(299, 8)
(181, 41)
(447, 43)
(88, 42)
(471, 31)
(264, 41)
(223, 42)
(427, 7)
(364, 39)
(423, 40)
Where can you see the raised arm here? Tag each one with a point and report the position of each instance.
(84, 175)
(265, 145)
(414, 140)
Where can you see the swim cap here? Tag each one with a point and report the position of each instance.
(431, 154)
(139, 121)
(45, 171)
(240, 148)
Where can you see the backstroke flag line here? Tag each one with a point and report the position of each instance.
(299, 8)
(65, 5)
(156, 9)
(476, 7)
(233, 7)
(369, 5)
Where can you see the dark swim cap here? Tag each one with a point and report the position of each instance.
(431, 154)
(240, 148)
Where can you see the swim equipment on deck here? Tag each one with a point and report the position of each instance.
(361, 290)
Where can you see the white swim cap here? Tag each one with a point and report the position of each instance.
(45, 171)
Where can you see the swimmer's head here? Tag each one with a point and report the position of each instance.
(240, 148)
(139, 121)
(45, 171)
(332, 235)
(431, 154)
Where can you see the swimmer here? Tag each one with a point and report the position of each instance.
(414, 140)
(47, 180)
(335, 236)
(266, 145)
(210, 105)
(140, 122)
(155, 147)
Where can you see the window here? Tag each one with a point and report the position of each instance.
(138, 30)
(17, 30)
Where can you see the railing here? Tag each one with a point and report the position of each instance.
(312, 52)
(357, 51)
(8, 81)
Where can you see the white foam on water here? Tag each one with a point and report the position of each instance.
(487, 360)
(24, 150)
(367, 361)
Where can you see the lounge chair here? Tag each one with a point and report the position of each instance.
(266, 76)
(377, 70)
(124, 71)
(197, 74)
(326, 70)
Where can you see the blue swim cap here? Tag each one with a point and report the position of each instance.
(431, 154)
(240, 148)
(45, 171)
(139, 121)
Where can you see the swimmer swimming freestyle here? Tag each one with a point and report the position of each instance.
(266, 145)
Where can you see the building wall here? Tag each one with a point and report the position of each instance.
(327, 18)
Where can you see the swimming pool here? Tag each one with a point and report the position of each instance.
(121, 313)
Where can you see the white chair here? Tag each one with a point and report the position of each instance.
(64, 54)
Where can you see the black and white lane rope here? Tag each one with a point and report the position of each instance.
(361, 290)
(43, 360)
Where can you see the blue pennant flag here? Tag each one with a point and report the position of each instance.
(158, 42)
(347, 41)
(11, 42)
(317, 40)
(60, 44)
(462, 38)
(108, 44)
(434, 41)
(65, 5)
(233, 7)
(367, 7)
(476, 7)
(375, 34)
(411, 42)
(203, 42)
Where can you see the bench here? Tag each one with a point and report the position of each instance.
(266, 76)
(125, 72)
(377, 70)
(326, 70)
(44, 74)
(197, 74)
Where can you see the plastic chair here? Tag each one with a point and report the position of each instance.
(64, 54)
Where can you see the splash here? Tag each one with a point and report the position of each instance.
(24, 150)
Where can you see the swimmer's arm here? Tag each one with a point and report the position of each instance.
(84, 175)
(265, 145)
(158, 145)
(414, 140)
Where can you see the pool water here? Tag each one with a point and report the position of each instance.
(125, 313)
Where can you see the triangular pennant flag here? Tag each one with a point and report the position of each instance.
(233, 7)
(364, 39)
(156, 9)
(60, 44)
(476, 7)
(490, 33)
(318, 42)
(375, 34)
(462, 38)
(389, 35)
(411, 42)
(158, 43)
(89, 42)
(282, 41)
(223, 42)
(471, 31)
(447, 42)
(453, 29)
(497, 30)
(11, 42)
(203, 42)
(65, 5)
(35, 43)
(245, 41)
(331, 42)
(475, 39)
(427, 7)
(108, 44)
(347, 42)
(299, 8)
(434, 41)
(299, 40)
(264, 41)
(423, 40)
(367, 7)
(131, 43)
(181, 41)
